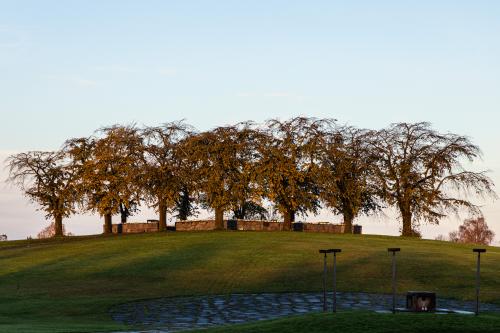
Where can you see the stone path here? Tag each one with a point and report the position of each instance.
(181, 313)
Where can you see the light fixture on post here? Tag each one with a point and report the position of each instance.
(478, 268)
(394, 250)
(324, 278)
(335, 251)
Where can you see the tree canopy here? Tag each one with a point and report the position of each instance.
(223, 160)
(109, 169)
(473, 230)
(421, 172)
(289, 166)
(347, 182)
(46, 179)
(164, 177)
(299, 165)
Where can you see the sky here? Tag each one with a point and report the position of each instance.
(70, 67)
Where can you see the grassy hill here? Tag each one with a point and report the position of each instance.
(68, 285)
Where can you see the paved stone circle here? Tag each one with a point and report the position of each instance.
(173, 314)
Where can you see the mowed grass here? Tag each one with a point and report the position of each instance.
(358, 322)
(69, 285)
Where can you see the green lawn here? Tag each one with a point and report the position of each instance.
(68, 285)
(357, 322)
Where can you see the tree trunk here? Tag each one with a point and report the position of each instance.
(239, 212)
(219, 219)
(162, 210)
(289, 218)
(184, 205)
(406, 216)
(58, 226)
(348, 218)
(107, 224)
(123, 213)
(182, 215)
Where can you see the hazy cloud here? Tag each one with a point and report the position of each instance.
(277, 94)
(85, 82)
(75, 80)
(167, 71)
(246, 94)
(124, 69)
(117, 69)
(272, 94)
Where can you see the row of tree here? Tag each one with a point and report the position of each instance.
(300, 165)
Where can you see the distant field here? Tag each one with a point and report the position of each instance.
(68, 285)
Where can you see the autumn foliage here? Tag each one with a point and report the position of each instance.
(299, 165)
(474, 231)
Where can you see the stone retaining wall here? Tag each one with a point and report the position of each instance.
(323, 227)
(257, 225)
(201, 225)
(134, 228)
(241, 225)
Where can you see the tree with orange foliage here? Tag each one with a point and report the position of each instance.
(108, 170)
(224, 160)
(347, 183)
(46, 178)
(420, 171)
(164, 175)
(475, 231)
(289, 166)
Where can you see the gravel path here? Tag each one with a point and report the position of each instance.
(181, 313)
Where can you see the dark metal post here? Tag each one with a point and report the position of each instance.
(324, 279)
(478, 269)
(335, 251)
(393, 250)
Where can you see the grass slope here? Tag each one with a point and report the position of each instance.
(68, 285)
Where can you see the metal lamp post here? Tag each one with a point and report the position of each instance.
(324, 278)
(325, 252)
(394, 250)
(478, 268)
(335, 251)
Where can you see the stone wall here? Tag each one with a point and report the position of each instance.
(134, 228)
(257, 225)
(323, 227)
(241, 225)
(201, 225)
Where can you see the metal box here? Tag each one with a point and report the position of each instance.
(421, 301)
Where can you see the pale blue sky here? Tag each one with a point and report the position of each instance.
(69, 67)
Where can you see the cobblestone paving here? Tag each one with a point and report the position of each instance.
(181, 313)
